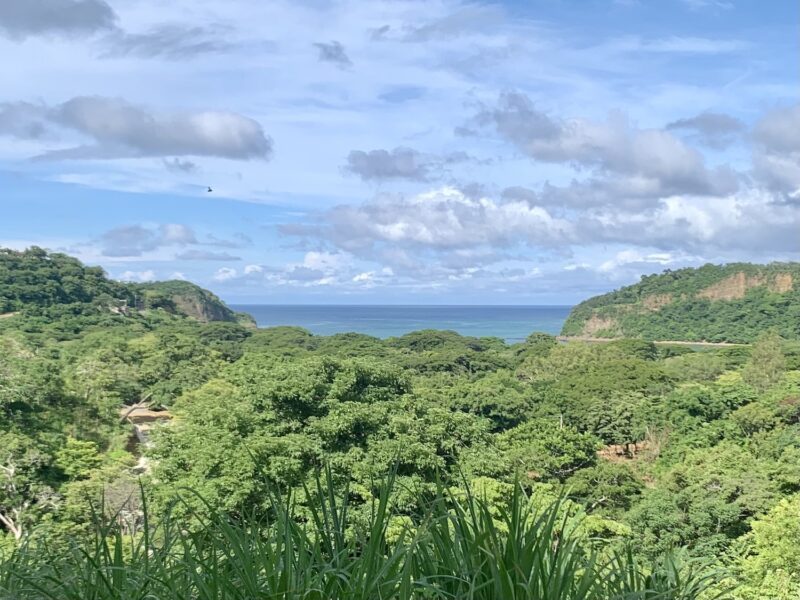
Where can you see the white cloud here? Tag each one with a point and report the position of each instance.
(324, 261)
(443, 234)
(224, 274)
(614, 148)
(444, 218)
(119, 129)
(553, 179)
(135, 240)
(23, 18)
(777, 153)
(364, 277)
(626, 257)
(139, 276)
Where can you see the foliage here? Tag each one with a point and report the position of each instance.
(685, 305)
(771, 565)
(455, 547)
(767, 362)
(655, 451)
(33, 280)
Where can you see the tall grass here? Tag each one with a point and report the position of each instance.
(458, 548)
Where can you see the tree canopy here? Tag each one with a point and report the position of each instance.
(658, 448)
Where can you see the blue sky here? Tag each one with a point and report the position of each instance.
(401, 151)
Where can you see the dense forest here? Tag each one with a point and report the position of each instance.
(55, 285)
(729, 303)
(273, 463)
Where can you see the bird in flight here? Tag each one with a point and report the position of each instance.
(209, 189)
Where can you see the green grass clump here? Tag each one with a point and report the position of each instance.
(459, 547)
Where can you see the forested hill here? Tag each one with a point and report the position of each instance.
(413, 467)
(716, 303)
(35, 280)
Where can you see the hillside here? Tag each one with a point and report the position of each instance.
(717, 303)
(183, 297)
(429, 457)
(35, 279)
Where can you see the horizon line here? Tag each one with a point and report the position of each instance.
(283, 305)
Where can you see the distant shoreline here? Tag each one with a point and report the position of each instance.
(512, 323)
(238, 306)
(594, 340)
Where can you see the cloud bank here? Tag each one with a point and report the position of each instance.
(119, 129)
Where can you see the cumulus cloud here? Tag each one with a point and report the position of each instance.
(445, 219)
(716, 130)
(20, 19)
(751, 220)
(445, 232)
(777, 154)
(650, 158)
(224, 274)
(364, 277)
(318, 268)
(22, 120)
(119, 129)
(333, 52)
(138, 276)
(629, 257)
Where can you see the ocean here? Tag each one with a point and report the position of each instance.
(512, 323)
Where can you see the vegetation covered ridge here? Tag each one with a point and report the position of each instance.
(714, 303)
(648, 451)
(35, 280)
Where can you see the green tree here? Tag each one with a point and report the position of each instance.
(771, 565)
(546, 449)
(26, 490)
(704, 501)
(607, 487)
(78, 459)
(618, 420)
(767, 362)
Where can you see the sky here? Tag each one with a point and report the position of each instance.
(401, 151)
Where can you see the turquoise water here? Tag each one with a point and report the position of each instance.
(512, 323)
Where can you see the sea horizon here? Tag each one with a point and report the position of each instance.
(511, 322)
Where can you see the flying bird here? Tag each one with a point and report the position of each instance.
(209, 189)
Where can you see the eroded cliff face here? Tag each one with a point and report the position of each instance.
(596, 324)
(659, 298)
(656, 301)
(732, 287)
(783, 283)
(736, 286)
(188, 299)
(201, 309)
